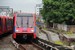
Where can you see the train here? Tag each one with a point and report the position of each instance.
(24, 26)
(6, 24)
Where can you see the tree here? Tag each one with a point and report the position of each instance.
(59, 11)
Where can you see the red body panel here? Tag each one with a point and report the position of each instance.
(3, 28)
(9, 28)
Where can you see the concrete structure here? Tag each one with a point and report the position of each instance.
(68, 28)
(38, 8)
(37, 11)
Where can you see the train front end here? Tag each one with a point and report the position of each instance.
(24, 26)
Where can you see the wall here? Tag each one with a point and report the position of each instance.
(68, 28)
(43, 25)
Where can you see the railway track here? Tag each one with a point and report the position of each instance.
(30, 47)
(49, 45)
(26, 46)
(39, 44)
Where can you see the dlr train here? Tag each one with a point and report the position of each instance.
(24, 26)
(6, 24)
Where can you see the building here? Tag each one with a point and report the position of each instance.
(6, 11)
(38, 8)
(37, 11)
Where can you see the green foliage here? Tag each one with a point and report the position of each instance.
(59, 30)
(64, 32)
(73, 43)
(69, 33)
(59, 11)
(45, 28)
(60, 43)
(37, 20)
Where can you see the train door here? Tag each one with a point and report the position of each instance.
(0, 26)
(6, 24)
(9, 23)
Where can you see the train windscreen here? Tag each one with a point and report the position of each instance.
(24, 20)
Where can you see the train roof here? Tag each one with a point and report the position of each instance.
(24, 14)
(6, 17)
(9, 17)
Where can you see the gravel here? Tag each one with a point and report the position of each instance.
(6, 44)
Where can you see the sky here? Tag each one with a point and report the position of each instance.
(27, 6)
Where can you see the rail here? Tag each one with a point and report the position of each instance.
(22, 46)
(49, 45)
(41, 44)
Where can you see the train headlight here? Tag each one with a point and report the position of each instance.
(17, 30)
(31, 30)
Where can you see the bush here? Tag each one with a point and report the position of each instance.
(73, 43)
(60, 43)
(37, 20)
(45, 28)
(64, 32)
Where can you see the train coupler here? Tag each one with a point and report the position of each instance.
(24, 36)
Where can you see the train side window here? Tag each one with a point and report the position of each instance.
(9, 21)
(6, 23)
(13, 20)
(0, 21)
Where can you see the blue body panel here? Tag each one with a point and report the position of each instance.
(34, 29)
(14, 29)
